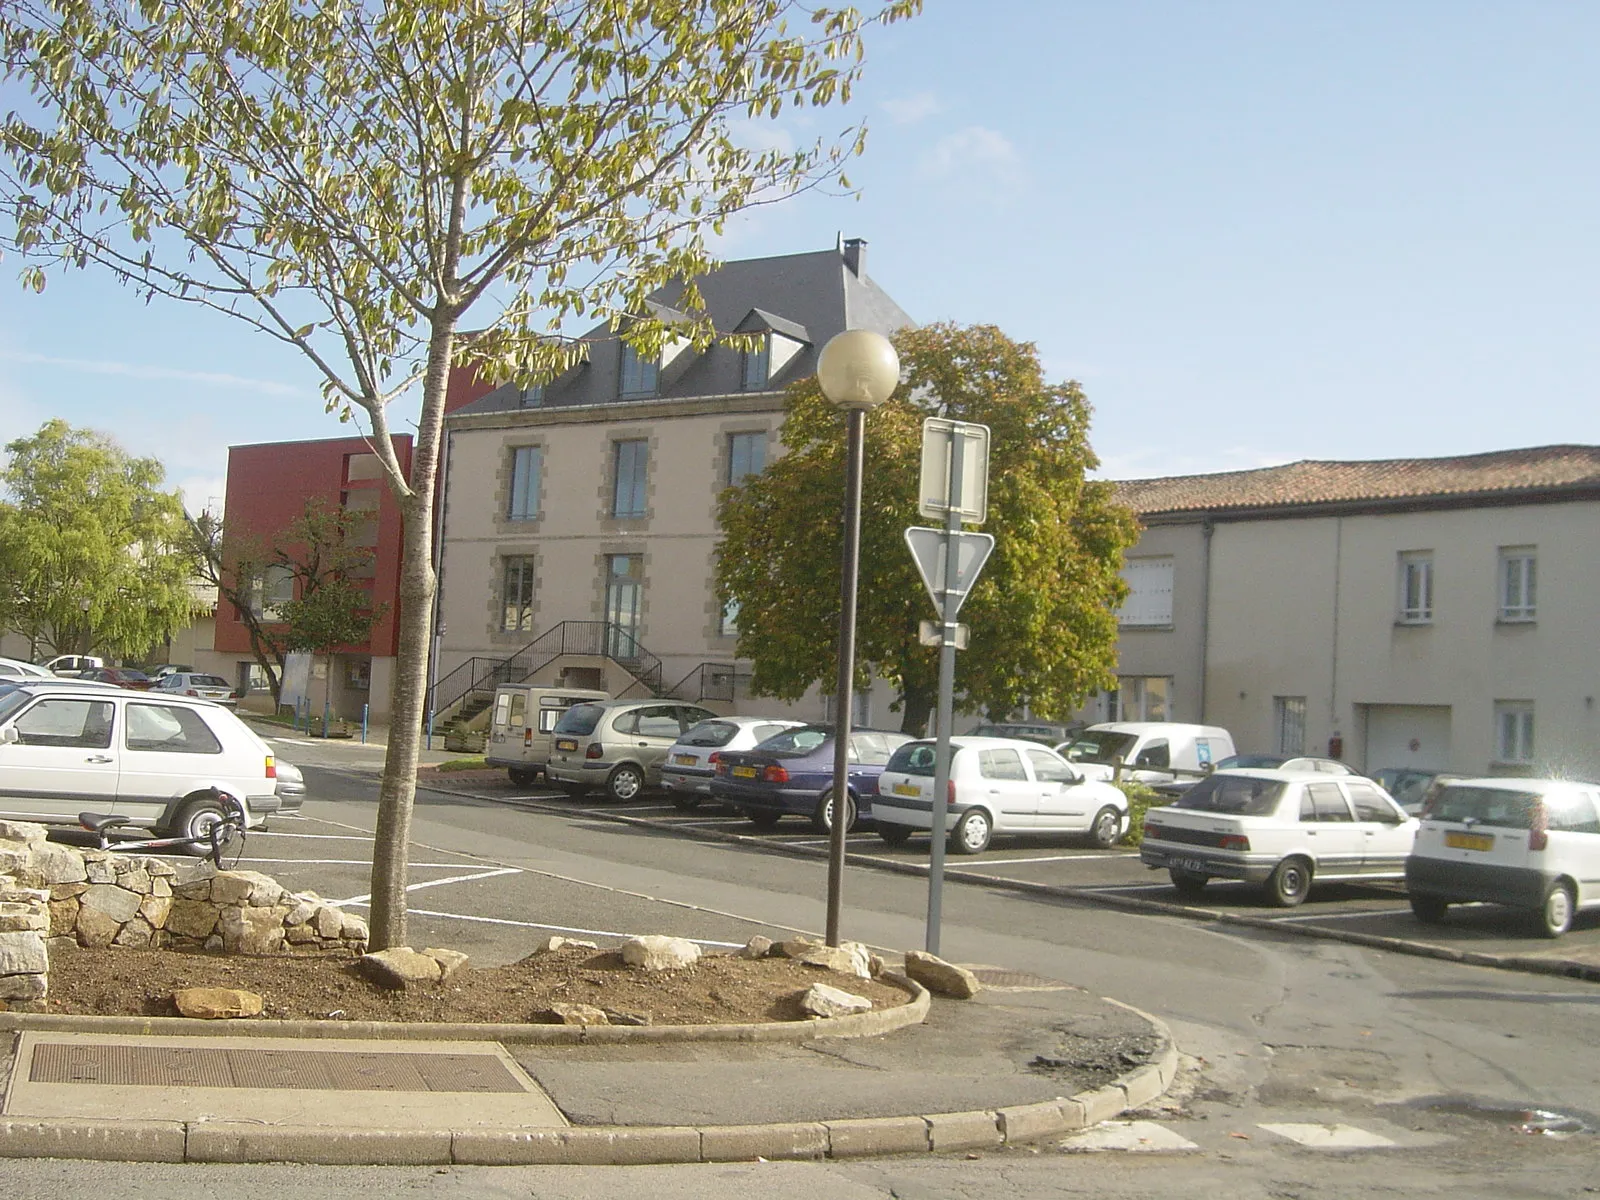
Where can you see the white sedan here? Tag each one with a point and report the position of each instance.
(1283, 829)
(997, 785)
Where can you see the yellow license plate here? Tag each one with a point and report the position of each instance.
(744, 772)
(907, 789)
(566, 744)
(1469, 841)
(684, 760)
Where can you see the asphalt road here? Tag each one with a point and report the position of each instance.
(1430, 1063)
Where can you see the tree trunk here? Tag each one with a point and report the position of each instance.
(916, 707)
(398, 792)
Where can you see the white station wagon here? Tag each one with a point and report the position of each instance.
(69, 746)
(1284, 829)
(997, 785)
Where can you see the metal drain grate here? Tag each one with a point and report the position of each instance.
(307, 1070)
(995, 977)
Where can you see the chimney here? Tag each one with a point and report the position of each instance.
(855, 256)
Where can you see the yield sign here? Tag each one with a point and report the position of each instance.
(928, 549)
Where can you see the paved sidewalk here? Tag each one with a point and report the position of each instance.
(1028, 1060)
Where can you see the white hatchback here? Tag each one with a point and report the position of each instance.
(692, 762)
(997, 785)
(1532, 844)
(1284, 829)
(69, 746)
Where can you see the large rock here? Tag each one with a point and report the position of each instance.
(22, 831)
(63, 916)
(246, 887)
(303, 909)
(98, 867)
(942, 977)
(96, 929)
(136, 933)
(848, 958)
(117, 903)
(579, 1014)
(20, 918)
(654, 952)
(556, 942)
(58, 864)
(353, 928)
(400, 967)
(22, 953)
(756, 947)
(450, 961)
(23, 987)
(156, 909)
(820, 1000)
(251, 930)
(329, 921)
(215, 1003)
(191, 918)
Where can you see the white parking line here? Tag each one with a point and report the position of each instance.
(433, 883)
(562, 929)
(1085, 856)
(341, 862)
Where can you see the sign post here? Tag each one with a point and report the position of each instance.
(955, 485)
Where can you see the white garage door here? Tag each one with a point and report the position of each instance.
(1408, 735)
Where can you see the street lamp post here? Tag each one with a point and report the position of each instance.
(857, 371)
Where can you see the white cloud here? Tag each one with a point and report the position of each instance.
(908, 110)
(201, 492)
(270, 387)
(973, 152)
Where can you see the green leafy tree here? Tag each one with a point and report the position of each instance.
(92, 550)
(335, 613)
(356, 179)
(319, 548)
(1043, 613)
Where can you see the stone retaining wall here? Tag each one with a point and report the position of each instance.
(54, 893)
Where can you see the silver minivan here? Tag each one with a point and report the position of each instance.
(619, 745)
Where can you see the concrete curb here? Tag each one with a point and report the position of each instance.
(855, 1025)
(854, 1137)
(1528, 964)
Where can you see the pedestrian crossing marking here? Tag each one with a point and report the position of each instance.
(1329, 1137)
(1144, 1137)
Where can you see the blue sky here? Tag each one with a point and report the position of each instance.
(1255, 231)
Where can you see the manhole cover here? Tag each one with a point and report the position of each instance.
(308, 1070)
(996, 977)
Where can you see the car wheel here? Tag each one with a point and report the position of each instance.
(1290, 883)
(194, 822)
(625, 782)
(761, 818)
(522, 777)
(1429, 910)
(1107, 828)
(684, 801)
(1555, 915)
(1189, 884)
(822, 817)
(972, 832)
(576, 791)
(894, 835)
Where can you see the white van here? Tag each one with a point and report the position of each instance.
(1532, 844)
(520, 725)
(1148, 750)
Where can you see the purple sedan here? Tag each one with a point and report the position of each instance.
(792, 772)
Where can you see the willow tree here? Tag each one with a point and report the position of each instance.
(1043, 613)
(354, 178)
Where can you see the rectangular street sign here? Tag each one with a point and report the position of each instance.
(928, 550)
(931, 633)
(933, 495)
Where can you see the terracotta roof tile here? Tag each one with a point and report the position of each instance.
(1311, 481)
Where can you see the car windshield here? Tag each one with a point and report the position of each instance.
(135, 676)
(1501, 807)
(914, 758)
(1099, 746)
(1251, 760)
(580, 719)
(710, 733)
(11, 699)
(796, 741)
(1238, 795)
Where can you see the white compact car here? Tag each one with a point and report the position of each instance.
(1532, 844)
(1284, 829)
(690, 764)
(997, 785)
(69, 746)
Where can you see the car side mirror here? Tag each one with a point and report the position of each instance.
(9, 736)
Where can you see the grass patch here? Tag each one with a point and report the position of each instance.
(471, 763)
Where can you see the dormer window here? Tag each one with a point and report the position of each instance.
(639, 374)
(758, 365)
(533, 397)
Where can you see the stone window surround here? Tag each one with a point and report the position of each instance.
(608, 478)
(506, 525)
(496, 604)
(715, 638)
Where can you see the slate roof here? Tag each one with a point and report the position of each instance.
(814, 295)
(1500, 474)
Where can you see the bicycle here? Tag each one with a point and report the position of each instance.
(221, 834)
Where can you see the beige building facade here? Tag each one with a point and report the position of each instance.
(1427, 613)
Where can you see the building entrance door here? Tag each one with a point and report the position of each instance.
(624, 604)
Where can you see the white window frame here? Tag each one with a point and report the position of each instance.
(630, 478)
(755, 369)
(1289, 724)
(1132, 701)
(1416, 588)
(1149, 602)
(1519, 580)
(1513, 732)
